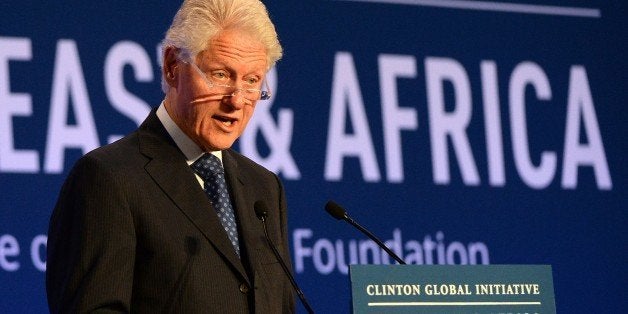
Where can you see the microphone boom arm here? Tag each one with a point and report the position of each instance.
(339, 213)
(370, 235)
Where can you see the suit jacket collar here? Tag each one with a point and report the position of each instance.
(167, 166)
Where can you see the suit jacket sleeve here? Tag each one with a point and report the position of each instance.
(91, 242)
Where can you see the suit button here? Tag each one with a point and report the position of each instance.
(244, 288)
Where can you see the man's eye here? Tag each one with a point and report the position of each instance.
(252, 80)
(219, 75)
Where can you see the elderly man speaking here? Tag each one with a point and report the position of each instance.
(163, 220)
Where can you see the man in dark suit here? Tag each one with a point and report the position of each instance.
(138, 226)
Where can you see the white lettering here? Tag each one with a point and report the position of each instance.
(324, 246)
(328, 256)
(493, 128)
(300, 251)
(453, 123)
(343, 266)
(9, 248)
(122, 54)
(415, 253)
(580, 106)
(68, 82)
(39, 242)
(347, 99)
(528, 73)
(428, 247)
(452, 249)
(395, 118)
(369, 248)
(394, 245)
(478, 249)
(14, 105)
(278, 135)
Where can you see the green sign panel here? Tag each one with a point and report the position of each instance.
(452, 289)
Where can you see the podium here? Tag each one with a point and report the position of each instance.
(452, 289)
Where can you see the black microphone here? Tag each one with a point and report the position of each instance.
(261, 211)
(339, 213)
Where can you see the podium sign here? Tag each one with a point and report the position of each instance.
(452, 289)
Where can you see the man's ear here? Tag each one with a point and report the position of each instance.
(170, 66)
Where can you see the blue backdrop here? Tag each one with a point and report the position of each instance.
(461, 132)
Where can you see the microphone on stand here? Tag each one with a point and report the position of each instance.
(339, 213)
(261, 211)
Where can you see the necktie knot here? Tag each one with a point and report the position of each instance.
(208, 166)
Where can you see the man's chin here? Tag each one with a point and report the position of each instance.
(213, 145)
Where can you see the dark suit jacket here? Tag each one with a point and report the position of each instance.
(133, 231)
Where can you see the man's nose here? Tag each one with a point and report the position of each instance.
(237, 99)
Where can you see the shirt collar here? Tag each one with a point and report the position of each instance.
(191, 151)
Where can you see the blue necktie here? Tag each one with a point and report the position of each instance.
(210, 169)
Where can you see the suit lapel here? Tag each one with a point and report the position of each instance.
(251, 230)
(169, 170)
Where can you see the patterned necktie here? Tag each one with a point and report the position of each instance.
(210, 169)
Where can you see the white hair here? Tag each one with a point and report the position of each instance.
(198, 21)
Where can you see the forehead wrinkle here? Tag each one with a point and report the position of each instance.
(237, 50)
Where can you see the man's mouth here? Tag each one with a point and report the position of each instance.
(225, 120)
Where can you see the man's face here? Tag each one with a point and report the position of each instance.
(212, 120)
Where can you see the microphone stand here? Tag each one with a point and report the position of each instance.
(261, 214)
